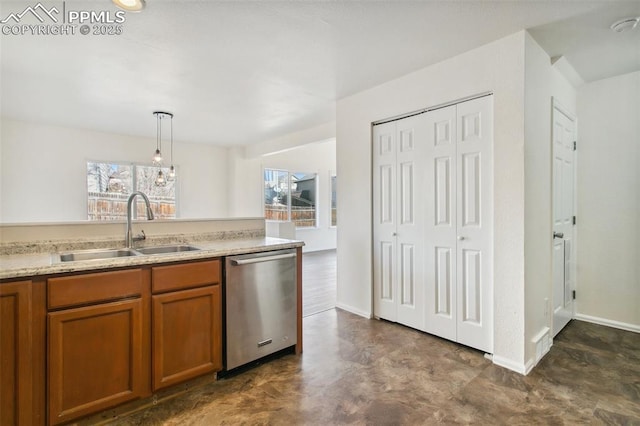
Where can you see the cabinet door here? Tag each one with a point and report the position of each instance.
(15, 353)
(187, 335)
(95, 358)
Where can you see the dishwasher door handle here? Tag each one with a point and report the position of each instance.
(261, 259)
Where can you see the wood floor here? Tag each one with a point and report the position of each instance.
(359, 371)
(318, 281)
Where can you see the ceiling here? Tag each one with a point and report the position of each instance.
(241, 72)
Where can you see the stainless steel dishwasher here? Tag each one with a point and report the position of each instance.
(261, 303)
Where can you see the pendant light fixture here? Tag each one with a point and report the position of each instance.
(172, 169)
(157, 156)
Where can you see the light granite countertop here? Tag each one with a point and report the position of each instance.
(28, 265)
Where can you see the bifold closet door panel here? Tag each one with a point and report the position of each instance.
(474, 187)
(440, 223)
(410, 239)
(384, 221)
(399, 177)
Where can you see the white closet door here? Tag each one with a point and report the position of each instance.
(410, 136)
(384, 221)
(474, 175)
(440, 223)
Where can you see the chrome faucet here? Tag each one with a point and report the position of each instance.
(129, 237)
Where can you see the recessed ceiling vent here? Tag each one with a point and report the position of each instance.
(625, 24)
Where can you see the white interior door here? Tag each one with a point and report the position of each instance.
(563, 213)
(398, 221)
(440, 223)
(410, 136)
(384, 221)
(474, 187)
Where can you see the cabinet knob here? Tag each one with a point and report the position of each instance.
(395, 234)
(460, 238)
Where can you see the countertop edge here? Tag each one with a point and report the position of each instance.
(40, 266)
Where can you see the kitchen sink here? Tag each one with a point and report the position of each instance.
(167, 249)
(96, 254)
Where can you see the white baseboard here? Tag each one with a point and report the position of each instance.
(353, 310)
(607, 322)
(523, 369)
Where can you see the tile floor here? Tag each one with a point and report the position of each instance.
(359, 371)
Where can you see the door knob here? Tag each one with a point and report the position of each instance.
(460, 238)
(558, 235)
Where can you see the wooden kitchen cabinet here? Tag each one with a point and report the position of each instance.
(186, 324)
(15, 353)
(96, 353)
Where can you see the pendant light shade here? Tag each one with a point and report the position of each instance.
(160, 179)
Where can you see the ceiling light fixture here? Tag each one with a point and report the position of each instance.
(172, 169)
(157, 156)
(130, 5)
(625, 24)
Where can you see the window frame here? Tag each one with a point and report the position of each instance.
(316, 219)
(333, 175)
(134, 185)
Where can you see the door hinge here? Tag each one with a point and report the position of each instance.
(574, 220)
(575, 145)
(573, 293)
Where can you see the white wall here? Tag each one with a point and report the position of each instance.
(542, 82)
(609, 201)
(43, 171)
(247, 197)
(496, 67)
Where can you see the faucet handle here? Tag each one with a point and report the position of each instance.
(141, 236)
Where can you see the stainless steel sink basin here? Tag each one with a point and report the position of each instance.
(98, 254)
(167, 249)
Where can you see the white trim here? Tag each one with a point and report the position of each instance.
(353, 310)
(557, 105)
(523, 369)
(607, 322)
(529, 366)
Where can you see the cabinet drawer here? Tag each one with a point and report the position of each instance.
(188, 275)
(91, 288)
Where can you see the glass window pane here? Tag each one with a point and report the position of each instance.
(303, 199)
(334, 216)
(276, 194)
(162, 198)
(108, 186)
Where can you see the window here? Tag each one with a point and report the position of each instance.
(334, 216)
(290, 196)
(110, 184)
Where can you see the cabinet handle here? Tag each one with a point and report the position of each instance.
(250, 260)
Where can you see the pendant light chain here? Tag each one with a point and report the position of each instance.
(172, 169)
